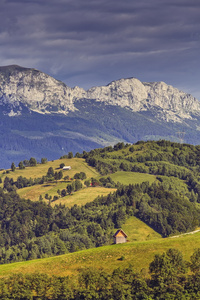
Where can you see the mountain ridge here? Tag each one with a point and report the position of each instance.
(42, 117)
(44, 94)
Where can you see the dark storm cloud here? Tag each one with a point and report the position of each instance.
(89, 43)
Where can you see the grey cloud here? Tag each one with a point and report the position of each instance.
(93, 42)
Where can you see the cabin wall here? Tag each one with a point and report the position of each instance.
(120, 239)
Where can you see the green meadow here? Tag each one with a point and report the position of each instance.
(138, 254)
(138, 230)
(132, 177)
(77, 164)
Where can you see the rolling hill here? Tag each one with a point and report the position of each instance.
(150, 189)
(155, 182)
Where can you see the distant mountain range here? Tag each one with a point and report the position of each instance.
(42, 117)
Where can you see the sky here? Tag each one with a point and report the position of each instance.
(93, 42)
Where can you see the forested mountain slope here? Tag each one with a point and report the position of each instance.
(170, 205)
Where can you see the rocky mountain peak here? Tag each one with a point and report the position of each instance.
(175, 104)
(36, 90)
(44, 94)
(124, 92)
(172, 104)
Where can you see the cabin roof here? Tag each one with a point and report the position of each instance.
(120, 231)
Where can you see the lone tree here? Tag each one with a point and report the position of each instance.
(78, 185)
(70, 155)
(60, 175)
(70, 189)
(26, 163)
(32, 162)
(50, 172)
(43, 160)
(63, 193)
(13, 167)
(21, 165)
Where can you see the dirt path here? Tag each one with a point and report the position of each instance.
(191, 232)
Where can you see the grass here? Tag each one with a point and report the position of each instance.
(132, 177)
(80, 197)
(33, 192)
(83, 196)
(138, 254)
(138, 230)
(77, 164)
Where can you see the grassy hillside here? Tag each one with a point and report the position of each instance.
(77, 164)
(138, 230)
(84, 195)
(135, 187)
(132, 178)
(80, 197)
(138, 254)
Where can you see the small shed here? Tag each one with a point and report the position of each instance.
(120, 237)
(67, 168)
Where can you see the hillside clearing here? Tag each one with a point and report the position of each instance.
(138, 230)
(84, 196)
(80, 197)
(132, 177)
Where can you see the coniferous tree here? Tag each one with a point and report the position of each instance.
(50, 172)
(70, 155)
(32, 162)
(21, 165)
(13, 168)
(43, 160)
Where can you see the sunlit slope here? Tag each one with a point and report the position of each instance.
(86, 194)
(80, 197)
(33, 192)
(77, 164)
(132, 177)
(138, 254)
(138, 230)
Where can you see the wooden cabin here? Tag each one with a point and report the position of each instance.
(120, 237)
(67, 168)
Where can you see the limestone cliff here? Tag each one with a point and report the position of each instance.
(44, 94)
(36, 90)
